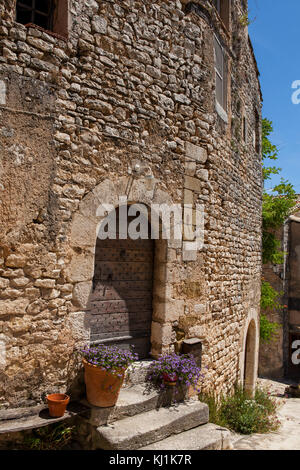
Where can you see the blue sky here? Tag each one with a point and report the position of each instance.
(275, 31)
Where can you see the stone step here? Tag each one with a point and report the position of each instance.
(152, 426)
(206, 437)
(132, 400)
(36, 417)
(137, 372)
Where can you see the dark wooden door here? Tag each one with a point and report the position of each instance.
(120, 304)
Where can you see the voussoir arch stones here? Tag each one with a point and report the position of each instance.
(85, 222)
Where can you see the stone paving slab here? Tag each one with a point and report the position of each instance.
(206, 437)
(146, 428)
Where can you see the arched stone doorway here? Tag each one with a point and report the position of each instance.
(250, 358)
(82, 252)
(120, 304)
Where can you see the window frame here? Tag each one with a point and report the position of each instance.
(33, 9)
(60, 20)
(222, 73)
(257, 133)
(217, 5)
(223, 8)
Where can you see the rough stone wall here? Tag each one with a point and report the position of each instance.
(134, 80)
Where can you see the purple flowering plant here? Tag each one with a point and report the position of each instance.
(109, 358)
(183, 367)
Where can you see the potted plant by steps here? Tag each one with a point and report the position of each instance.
(104, 371)
(57, 404)
(174, 370)
(170, 379)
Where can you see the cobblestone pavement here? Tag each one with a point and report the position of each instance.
(288, 436)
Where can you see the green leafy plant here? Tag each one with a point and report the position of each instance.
(244, 19)
(52, 437)
(242, 413)
(268, 329)
(269, 301)
(277, 205)
(269, 297)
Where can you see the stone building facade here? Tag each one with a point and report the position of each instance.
(158, 101)
(276, 357)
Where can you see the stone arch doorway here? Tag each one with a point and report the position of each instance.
(82, 250)
(250, 358)
(120, 304)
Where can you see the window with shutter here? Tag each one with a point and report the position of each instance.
(223, 9)
(217, 4)
(221, 75)
(257, 136)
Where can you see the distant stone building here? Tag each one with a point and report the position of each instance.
(276, 357)
(158, 101)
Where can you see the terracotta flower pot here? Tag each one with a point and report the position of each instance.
(170, 379)
(57, 403)
(102, 386)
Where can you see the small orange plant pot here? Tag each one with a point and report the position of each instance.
(57, 403)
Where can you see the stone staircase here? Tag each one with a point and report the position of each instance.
(145, 420)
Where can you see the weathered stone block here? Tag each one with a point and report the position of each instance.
(190, 168)
(192, 184)
(99, 24)
(188, 197)
(161, 334)
(13, 307)
(81, 268)
(81, 294)
(4, 283)
(202, 175)
(84, 231)
(195, 152)
(45, 283)
(19, 282)
(15, 261)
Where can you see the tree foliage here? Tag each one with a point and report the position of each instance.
(269, 301)
(277, 205)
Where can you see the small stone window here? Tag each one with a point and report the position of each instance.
(223, 9)
(51, 15)
(257, 134)
(221, 77)
(39, 12)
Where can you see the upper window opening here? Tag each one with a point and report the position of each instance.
(221, 75)
(257, 134)
(223, 8)
(39, 12)
(51, 15)
(217, 4)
